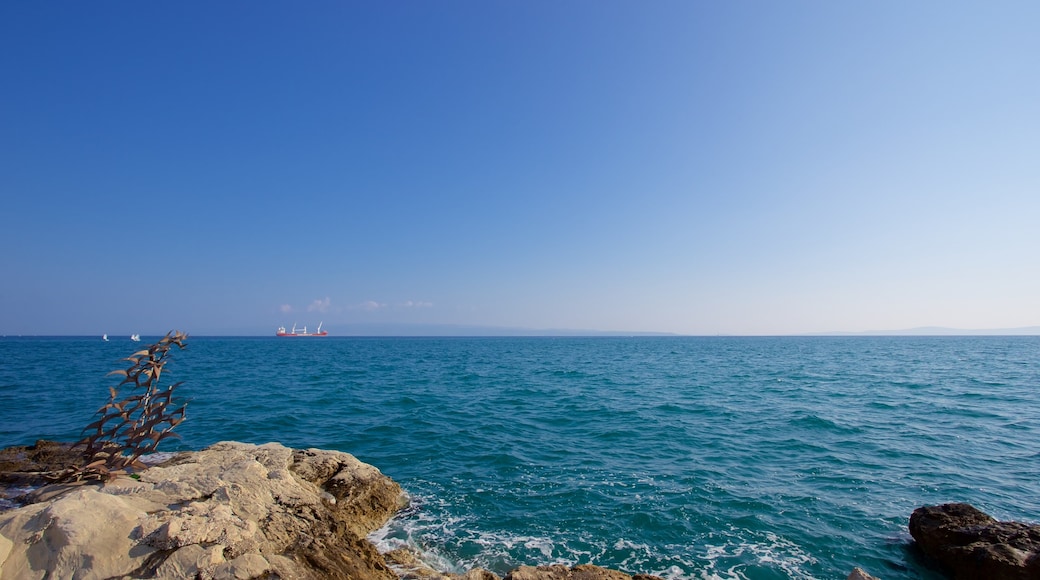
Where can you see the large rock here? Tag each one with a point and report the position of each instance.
(582, 572)
(231, 511)
(27, 465)
(970, 544)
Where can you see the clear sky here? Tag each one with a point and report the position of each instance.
(692, 167)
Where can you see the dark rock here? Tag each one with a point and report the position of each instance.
(25, 468)
(29, 465)
(969, 544)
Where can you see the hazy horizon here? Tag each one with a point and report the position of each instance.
(671, 167)
(461, 331)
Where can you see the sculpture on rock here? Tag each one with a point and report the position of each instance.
(134, 424)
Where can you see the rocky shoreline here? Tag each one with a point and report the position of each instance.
(237, 510)
(233, 510)
(230, 511)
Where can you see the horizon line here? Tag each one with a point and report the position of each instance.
(566, 333)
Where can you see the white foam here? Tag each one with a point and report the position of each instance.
(455, 544)
(773, 552)
(543, 545)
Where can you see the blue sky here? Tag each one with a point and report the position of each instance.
(688, 167)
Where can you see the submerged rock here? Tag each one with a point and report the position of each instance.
(408, 566)
(230, 511)
(583, 572)
(859, 574)
(969, 543)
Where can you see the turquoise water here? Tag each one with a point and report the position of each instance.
(755, 458)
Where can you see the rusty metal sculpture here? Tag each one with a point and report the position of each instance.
(135, 424)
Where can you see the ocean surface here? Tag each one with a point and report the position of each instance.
(689, 458)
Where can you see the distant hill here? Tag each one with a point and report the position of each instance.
(390, 329)
(941, 331)
(361, 329)
(467, 330)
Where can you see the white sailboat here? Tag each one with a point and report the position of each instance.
(135, 337)
(104, 337)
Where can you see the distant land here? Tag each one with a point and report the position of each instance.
(405, 330)
(461, 330)
(473, 330)
(938, 331)
(468, 330)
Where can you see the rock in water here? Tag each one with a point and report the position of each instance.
(581, 572)
(859, 574)
(233, 510)
(970, 544)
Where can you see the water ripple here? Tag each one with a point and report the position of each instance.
(688, 458)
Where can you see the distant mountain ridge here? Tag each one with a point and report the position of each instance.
(940, 331)
(428, 330)
(466, 330)
(472, 330)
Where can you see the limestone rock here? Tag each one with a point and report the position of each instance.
(970, 544)
(407, 565)
(582, 572)
(230, 511)
(190, 561)
(5, 549)
(859, 574)
(81, 530)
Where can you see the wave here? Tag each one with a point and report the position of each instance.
(688, 458)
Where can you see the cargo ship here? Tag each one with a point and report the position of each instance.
(301, 332)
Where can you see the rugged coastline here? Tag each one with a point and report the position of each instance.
(237, 510)
(232, 510)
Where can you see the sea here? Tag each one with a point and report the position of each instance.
(684, 457)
